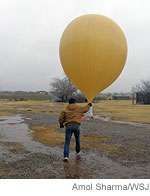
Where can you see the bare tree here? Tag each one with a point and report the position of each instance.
(143, 87)
(141, 92)
(62, 89)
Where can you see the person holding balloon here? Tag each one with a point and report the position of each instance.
(93, 52)
(71, 118)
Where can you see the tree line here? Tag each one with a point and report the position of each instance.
(62, 89)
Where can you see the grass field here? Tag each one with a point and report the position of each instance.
(115, 109)
(123, 111)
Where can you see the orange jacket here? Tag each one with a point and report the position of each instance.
(73, 113)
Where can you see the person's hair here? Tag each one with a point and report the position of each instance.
(72, 100)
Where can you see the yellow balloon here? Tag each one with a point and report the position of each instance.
(93, 51)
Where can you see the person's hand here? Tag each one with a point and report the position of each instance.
(90, 104)
(61, 125)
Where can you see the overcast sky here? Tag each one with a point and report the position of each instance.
(30, 31)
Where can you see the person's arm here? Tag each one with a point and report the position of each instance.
(85, 108)
(62, 119)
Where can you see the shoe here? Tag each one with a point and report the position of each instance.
(66, 159)
(78, 157)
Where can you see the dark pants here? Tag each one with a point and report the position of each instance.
(70, 129)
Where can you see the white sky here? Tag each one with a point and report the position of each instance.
(30, 31)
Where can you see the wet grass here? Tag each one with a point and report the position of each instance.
(51, 136)
(130, 153)
(48, 135)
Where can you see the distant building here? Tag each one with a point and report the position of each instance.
(113, 96)
(121, 97)
(142, 98)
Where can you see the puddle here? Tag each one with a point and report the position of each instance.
(13, 129)
(11, 120)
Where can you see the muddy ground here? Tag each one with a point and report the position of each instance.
(109, 149)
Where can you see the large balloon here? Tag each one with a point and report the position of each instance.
(93, 51)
